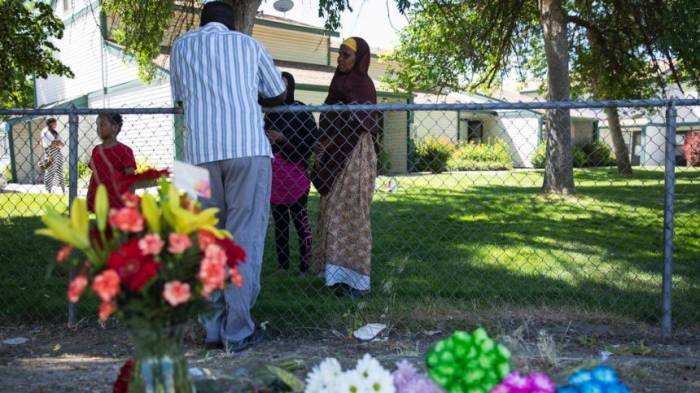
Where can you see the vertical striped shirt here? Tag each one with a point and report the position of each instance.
(217, 74)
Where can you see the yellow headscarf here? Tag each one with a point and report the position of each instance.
(351, 43)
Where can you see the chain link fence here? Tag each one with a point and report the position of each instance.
(459, 223)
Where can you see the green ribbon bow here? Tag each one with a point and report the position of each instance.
(464, 363)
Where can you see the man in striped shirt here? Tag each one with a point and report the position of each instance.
(219, 74)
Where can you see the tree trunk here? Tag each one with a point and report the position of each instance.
(558, 172)
(244, 12)
(622, 154)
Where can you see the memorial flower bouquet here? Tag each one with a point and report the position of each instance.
(152, 264)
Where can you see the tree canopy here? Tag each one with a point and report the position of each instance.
(27, 29)
(618, 49)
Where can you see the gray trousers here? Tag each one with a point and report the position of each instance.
(240, 188)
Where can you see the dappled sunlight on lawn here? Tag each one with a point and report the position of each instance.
(473, 239)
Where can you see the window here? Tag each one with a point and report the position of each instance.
(680, 143)
(68, 5)
(471, 131)
(475, 131)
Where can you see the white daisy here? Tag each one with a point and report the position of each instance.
(368, 365)
(380, 381)
(323, 377)
(350, 382)
(375, 377)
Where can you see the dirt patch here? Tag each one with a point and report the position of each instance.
(56, 359)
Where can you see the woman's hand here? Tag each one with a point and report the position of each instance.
(319, 147)
(276, 136)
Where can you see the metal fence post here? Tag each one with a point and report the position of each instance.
(669, 185)
(72, 185)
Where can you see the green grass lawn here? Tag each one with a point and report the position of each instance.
(446, 244)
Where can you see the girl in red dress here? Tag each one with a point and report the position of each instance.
(110, 162)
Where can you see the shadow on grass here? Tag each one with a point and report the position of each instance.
(600, 252)
(441, 249)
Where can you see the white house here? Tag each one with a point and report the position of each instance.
(520, 129)
(643, 129)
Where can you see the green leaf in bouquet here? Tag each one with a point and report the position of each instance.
(290, 380)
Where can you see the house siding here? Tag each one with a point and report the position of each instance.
(81, 50)
(518, 129)
(581, 132)
(96, 65)
(439, 125)
(150, 136)
(394, 136)
(296, 46)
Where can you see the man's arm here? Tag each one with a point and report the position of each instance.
(175, 82)
(272, 101)
(271, 89)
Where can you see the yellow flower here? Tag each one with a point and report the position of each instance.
(186, 221)
(72, 230)
(101, 207)
(151, 211)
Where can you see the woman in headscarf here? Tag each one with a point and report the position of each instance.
(344, 174)
(292, 135)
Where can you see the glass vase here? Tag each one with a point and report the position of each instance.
(159, 362)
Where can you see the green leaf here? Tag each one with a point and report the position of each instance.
(290, 380)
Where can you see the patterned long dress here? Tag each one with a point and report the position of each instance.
(344, 241)
(53, 175)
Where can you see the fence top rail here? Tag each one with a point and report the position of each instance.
(651, 103)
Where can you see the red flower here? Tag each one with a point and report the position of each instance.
(205, 239)
(135, 269)
(107, 309)
(236, 277)
(178, 243)
(148, 176)
(64, 253)
(176, 292)
(76, 288)
(212, 274)
(235, 254)
(131, 200)
(121, 385)
(126, 219)
(216, 253)
(106, 285)
(151, 244)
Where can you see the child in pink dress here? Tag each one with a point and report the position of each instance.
(292, 134)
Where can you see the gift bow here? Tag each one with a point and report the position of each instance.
(468, 363)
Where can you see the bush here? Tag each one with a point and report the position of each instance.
(598, 154)
(580, 157)
(432, 155)
(493, 155)
(84, 172)
(594, 154)
(7, 173)
(539, 157)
